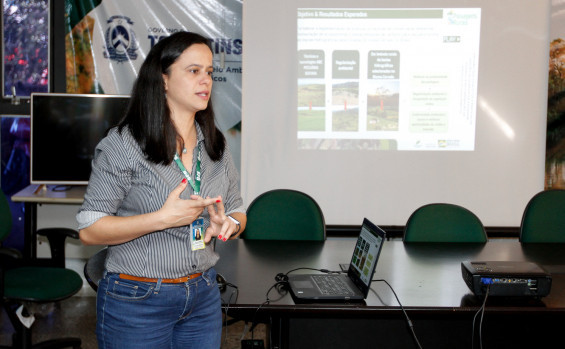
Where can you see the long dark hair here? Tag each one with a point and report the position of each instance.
(148, 116)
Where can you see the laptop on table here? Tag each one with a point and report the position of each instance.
(353, 286)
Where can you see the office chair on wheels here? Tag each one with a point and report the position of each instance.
(25, 283)
(441, 222)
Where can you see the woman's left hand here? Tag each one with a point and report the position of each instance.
(220, 225)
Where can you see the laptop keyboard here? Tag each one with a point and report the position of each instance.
(332, 285)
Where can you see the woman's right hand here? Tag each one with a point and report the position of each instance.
(178, 212)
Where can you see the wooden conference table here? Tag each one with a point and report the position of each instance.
(427, 279)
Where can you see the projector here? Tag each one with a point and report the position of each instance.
(506, 278)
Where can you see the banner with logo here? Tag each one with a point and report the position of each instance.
(555, 145)
(107, 41)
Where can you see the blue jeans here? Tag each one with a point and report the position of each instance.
(133, 314)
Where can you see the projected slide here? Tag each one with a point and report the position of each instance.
(387, 79)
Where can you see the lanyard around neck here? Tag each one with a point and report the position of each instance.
(196, 182)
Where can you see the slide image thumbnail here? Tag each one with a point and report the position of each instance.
(345, 101)
(383, 105)
(311, 107)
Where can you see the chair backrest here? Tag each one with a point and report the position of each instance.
(544, 217)
(441, 222)
(284, 214)
(5, 217)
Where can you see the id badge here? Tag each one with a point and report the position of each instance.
(197, 234)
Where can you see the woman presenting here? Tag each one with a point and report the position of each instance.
(163, 184)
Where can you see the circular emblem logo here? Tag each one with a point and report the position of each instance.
(121, 44)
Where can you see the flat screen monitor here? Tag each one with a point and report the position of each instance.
(65, 129)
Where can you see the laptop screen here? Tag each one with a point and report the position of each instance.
(365, 256)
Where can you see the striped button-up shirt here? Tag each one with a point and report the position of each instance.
(124, 183)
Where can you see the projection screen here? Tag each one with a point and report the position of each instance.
(375, 108)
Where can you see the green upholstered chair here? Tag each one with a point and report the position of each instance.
(442, 222)
(23, 283)
(285, 214)
(544, 218)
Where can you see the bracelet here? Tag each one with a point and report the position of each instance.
(236, 223)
